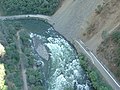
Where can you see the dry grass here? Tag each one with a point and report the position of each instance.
(106, 20)
(109, 50)
(105, 15)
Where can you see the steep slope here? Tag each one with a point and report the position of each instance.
(101, 34)
(101, 23)
(71, 17)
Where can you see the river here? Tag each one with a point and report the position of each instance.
(62, 70)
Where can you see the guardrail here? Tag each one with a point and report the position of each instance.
(104, 72)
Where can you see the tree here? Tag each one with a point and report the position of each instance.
(11, 7)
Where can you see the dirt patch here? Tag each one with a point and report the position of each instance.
(71, 17)
(109, 14)
(103, 24)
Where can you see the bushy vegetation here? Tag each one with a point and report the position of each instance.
(94, 75)
(116, 37)
(116, 40)
(12, 7)
(99, 9)
(11, 59)
(34, 76)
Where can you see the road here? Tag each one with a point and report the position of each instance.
(108, 77)
(21, 56)
(25, 16)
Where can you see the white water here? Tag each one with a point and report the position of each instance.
(65, 66)
(65, 69)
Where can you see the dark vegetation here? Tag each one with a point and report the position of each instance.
(110, 50)
(34, 77)
(13, 7)
(99, 9)
(11, 59)
(93, 74)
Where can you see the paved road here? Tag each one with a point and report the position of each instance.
(109, 78)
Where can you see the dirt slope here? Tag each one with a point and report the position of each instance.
(71, 17)
(98, 35)
(108, 18)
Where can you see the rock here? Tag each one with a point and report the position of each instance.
(41, 50)
(39, 47)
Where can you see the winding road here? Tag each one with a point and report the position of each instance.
(69, 21)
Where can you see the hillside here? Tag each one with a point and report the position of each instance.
(22, 71)
(103, 29)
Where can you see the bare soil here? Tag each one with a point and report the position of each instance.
(71, 16)
(107, 21)
(108, 17)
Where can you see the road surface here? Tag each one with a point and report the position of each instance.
(24, 16)
(21, 56)
(108, 77)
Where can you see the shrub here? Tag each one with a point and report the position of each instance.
(93, 74)
(99, 9)
(11, 7)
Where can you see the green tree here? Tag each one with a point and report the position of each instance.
(11, 7)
